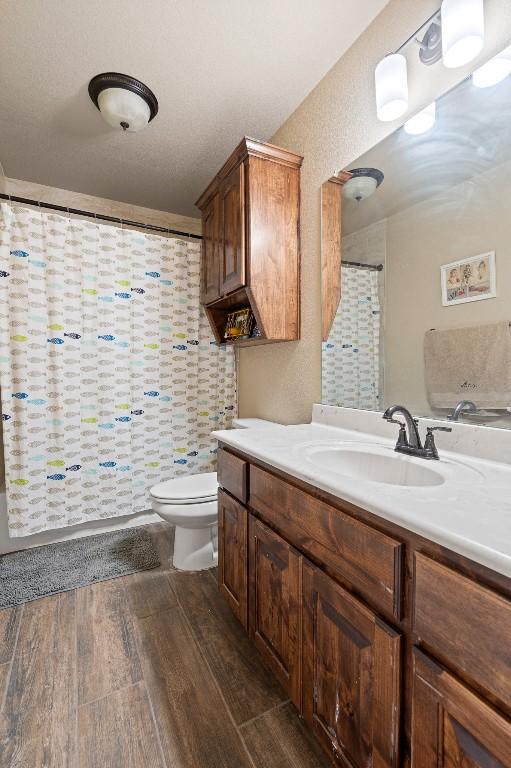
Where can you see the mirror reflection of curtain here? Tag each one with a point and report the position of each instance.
(351, 355)
(109, 376)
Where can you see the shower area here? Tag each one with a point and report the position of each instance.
(110, 379)
(353, 355)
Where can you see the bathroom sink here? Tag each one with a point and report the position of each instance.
(374, 464)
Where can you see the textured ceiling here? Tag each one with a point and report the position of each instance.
(220, 69)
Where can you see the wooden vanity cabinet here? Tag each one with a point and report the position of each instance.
(251, 241)
(232, 555)
(413, 670)
(451, 726)
(351, 675)
(275, 605)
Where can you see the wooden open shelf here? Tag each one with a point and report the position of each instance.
(217, 316)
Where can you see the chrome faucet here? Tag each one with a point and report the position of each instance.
(409, 440)
(463, 405)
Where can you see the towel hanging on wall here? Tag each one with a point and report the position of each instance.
(469, 363)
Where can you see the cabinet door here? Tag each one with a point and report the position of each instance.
(233, 231)
(210, 259)
(275, 583)
(451, 726)
(351, 675)
(232, 554)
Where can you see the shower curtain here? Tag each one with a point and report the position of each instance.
(109, 376)
(351, 355)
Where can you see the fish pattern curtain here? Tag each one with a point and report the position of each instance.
(351, 355)
(110, 380)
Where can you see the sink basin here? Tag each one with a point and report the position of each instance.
(376, 465)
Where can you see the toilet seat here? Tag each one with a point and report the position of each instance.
(192, 489)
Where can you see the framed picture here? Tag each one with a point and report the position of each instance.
(470, 279)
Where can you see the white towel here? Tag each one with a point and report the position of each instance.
(469, 364)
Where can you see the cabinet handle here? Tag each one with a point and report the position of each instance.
(275, 560)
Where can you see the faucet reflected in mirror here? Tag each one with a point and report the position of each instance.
(466, 406)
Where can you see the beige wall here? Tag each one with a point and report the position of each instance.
(334, 125)
(467, 220)
(97, 205)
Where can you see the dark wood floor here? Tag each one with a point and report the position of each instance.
(145, 671)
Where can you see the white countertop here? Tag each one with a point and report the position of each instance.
(469, 513)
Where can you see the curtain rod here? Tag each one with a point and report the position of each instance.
(376, 267)
(100, 216)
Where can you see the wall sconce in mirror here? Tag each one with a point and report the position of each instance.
(454, 33)
(422, 122)
(494, 71)
(362, 184)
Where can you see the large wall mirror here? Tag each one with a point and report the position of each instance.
(416, 267)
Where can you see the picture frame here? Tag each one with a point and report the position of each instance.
(239, 324)
(470, 279)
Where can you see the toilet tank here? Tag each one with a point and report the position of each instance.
(252, 424)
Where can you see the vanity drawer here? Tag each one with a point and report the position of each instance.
(365, 558)
(465, 623)
(232, 474)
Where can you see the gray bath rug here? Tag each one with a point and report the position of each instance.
(33, 573)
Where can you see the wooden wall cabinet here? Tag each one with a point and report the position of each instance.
(210, 260)
(415, 674)
(232, 227)
(251, 241)
(331, 249)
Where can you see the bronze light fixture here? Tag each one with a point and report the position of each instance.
(124, 101)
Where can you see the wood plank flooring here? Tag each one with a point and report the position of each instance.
(149, 670)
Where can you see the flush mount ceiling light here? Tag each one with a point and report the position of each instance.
(494, 70)
(462, 31)
(124, 102)
(362, 184)
(422, 122)
(391, 81)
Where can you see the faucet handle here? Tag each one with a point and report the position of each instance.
(430, 448)
(402, 440)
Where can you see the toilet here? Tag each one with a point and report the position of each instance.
(190, 504)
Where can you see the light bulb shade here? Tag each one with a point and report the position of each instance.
(124, 109)
(494, 70)
(391, 81)
(422, 122)
(123, 101)
(462, 31)
(363, 183)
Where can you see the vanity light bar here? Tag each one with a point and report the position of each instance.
(462, 31)
(462, 39)
(391, 81)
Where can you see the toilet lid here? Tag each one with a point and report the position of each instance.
(182, 490)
